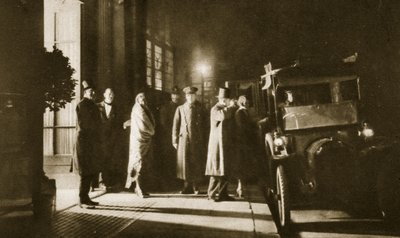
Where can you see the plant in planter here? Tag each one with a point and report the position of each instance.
(55, 81)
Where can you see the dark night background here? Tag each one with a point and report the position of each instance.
(239, 37)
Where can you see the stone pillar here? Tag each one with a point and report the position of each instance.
(21, 26)
(119, 63)
(139, 45)
(89, 40)
(105, 45)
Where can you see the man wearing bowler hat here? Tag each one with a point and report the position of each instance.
(220, 147)
(85, 160)
(188, 138)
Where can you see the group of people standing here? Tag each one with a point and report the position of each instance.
(186, 129)
(96, 136)
(229, 133)
(230, 145)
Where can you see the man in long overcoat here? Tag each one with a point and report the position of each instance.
(220, 147)
(87, 143)
(244, 139)
(168, 152)
(109, 128)
(188, 137)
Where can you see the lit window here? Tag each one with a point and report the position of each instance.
(160, 66)
(62, 29)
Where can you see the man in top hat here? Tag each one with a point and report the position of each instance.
(168, 153)
(86, 160)
(188, 138)
(220, 147)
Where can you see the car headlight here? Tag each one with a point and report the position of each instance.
(366, 131)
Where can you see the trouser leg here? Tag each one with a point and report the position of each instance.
(107, 173)
(239, 189)
(139, 184)
(222, 186)
(95, 181)
(84, 187)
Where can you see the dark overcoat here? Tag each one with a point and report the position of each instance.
(87, 138)
(245, 138)
(188, 131)
(167, 113)
(220, 146)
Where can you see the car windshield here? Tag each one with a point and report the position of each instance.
(349, 90)
(305, 95)
(323, 93)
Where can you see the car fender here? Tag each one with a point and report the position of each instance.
(308, 182)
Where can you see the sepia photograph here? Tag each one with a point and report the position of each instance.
(200, 118)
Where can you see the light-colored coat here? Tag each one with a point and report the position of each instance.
(220, 146)
(142, 131)
(188, 131)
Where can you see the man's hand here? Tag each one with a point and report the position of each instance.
(175, 145)
(127, 124)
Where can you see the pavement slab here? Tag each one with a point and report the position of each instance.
(160, 215)
(165, 215)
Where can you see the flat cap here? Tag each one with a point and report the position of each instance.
(190, 90)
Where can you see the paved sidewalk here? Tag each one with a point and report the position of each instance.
(167, 215)
(160, 215)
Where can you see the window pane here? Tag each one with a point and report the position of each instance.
(158, 81)
(148, 76)
(65, 139)
(148, 53)
(157, 57)
(48, 141)
(62, 28)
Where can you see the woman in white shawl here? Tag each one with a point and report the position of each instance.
(142, 131)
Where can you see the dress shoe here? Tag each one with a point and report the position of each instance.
(88, 204)
(141, 194)
(93, 203)
(109, 189)
(195, 189)
(212, 198)
(239, 193)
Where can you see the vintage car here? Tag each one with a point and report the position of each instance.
(318, 144)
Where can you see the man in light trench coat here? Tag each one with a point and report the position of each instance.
(220, 147)
(188, 132)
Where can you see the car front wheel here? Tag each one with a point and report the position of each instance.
(282, 197)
